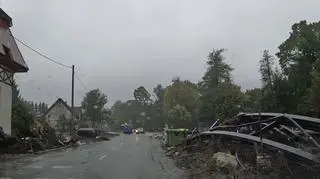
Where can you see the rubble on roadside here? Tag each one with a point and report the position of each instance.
(202, 161)
(47, 139)
(31, 145)
(158, 136)
(264, 145)
(23, 145)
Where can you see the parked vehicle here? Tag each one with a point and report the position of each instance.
(126, 129)
(87, 132)
(140, 131)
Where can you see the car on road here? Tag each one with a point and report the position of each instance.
(126, 129)
(87, 132)
(139, 131)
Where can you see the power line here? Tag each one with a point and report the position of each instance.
(81, 83)
(39, 53)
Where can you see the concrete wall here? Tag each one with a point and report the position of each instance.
(5, 107)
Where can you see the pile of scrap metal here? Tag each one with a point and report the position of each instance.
(284, 142)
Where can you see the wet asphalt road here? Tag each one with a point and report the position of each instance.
(123, 157)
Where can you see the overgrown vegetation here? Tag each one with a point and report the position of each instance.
(93, 105)
(23, 113)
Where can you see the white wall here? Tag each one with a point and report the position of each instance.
(5, 107)
(54, 114)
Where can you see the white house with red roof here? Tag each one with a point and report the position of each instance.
(11, 62)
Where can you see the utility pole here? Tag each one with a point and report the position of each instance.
(72, 103)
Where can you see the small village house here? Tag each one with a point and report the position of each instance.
(11, 62)
(57, 111)
(59, 114)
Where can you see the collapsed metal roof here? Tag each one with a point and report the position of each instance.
(294, 135)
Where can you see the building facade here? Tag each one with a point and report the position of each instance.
(59, 110)
(59, 114)
(11, 62)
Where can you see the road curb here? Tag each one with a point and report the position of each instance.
(50, 150)
(6, 157)
(17, 156)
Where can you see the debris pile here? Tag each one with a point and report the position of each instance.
(46, 139)
(253, 146)
(158, 136)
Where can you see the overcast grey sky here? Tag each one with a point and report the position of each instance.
(118, 45)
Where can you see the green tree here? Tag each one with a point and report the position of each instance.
(252, 100)
(266, 66)
(159, 92)
(282, 90)
(93, 103)
(180, 96)
(183, 93)
(297, 55)
(40, 107)
(16, 97)
(131, 112)
(268, 102)
(32, 106)
(314, 91)
(178, 116)
(136, 113)
(106, 118)
(43, 107)
(142, 95)
(228, 101)
(118, 114)
(158, 119)
(218, 72)
(22, 118)
(147, 110)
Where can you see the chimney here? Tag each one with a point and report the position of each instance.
(5, 20)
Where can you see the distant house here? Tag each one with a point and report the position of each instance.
(11, 61)
(58, 110)
(59, 114)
